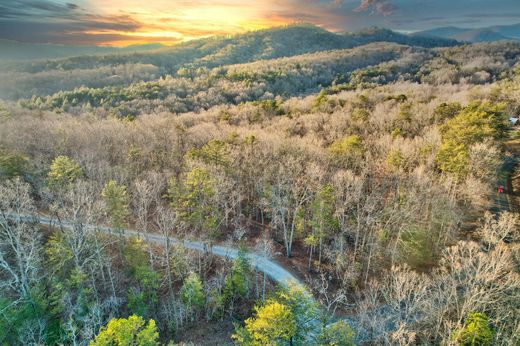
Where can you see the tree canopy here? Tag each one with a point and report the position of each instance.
(131, 331)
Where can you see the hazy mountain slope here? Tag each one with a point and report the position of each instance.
(47, 77)
(263, 44)
(511, 31)
(385, 35)
(447, 31)
(493, 33)
(481, 35)
(12, 50)
(300, 39)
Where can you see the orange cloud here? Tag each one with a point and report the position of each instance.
(169, 21)
(124, 22)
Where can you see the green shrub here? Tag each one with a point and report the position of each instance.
(133, 330)
(446, 111)
(321, 99)
(350, 148)
(475, 332)
(63, 171)
(360, 114)
(417, 247)
(236, 282)
(192, 292)
(12, 165)
(396, 132)
(396, 159)
(337, 334)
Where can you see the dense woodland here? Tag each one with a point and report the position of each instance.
(368, 161)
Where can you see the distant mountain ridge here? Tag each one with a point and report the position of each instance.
(188, 59)
(13, 50)
(270, 43)
(376, 34)
(487, 34)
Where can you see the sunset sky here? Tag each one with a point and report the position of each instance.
(124, 22)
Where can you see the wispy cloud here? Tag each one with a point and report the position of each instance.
(30, 8)
(383, 7)
(122, 22)
(495, 15)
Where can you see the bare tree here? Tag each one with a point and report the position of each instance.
(330, 299)
(289, 193)
(265, 247)
(20, 240)
(146, 193)
(166, 221)
(496, 229)
(20, 257)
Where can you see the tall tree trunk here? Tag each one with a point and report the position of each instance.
(320, 251)
(263, 288)
(310, 257)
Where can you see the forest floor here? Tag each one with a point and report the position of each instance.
(212, 333)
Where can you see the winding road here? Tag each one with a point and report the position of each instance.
(263, 264)
(269, 266)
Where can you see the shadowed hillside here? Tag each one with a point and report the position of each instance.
(12, 50)
(488, 34)
(123, 69)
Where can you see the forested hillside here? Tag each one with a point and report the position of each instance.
(492, 33)
(364, 164)
(368, 65)
(19, 51)
(47, 77)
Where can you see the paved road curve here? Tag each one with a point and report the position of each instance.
(274, 270)
(263, 264)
